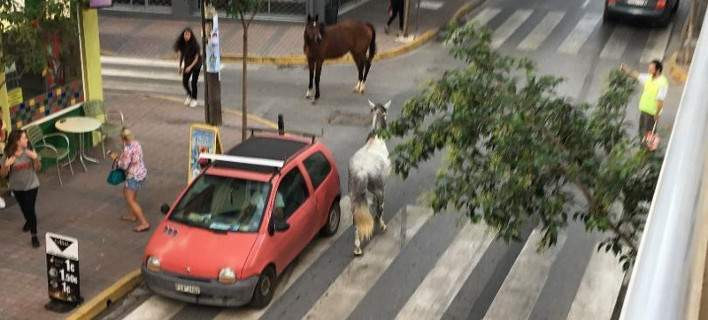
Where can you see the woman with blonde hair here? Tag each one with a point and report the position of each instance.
(131, 160)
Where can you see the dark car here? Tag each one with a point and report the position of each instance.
(655, 11)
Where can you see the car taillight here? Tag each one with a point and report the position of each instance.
(660, 4)
(611, 2)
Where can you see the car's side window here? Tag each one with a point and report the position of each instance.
(318, 168)
(292, 193)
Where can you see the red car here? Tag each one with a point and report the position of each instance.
(236, 227)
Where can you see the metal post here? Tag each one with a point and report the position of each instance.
(281, 124)
(207, 117)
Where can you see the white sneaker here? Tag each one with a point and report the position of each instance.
(187, 100)
(2, 203)
(193, 104)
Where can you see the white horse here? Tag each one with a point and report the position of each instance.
(368, 170)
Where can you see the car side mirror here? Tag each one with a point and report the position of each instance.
(278, 225)
(165, 208)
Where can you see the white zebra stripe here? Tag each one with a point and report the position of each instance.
(599, 288)
(507, 29)
(614, 48)
(541, 31)
(157, 307)
(345, 293)
(444, 281)
(582, 31)
(485, 16)
(522, 286)
(656, 44)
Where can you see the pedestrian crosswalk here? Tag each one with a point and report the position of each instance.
(440, 286)
(529, 29)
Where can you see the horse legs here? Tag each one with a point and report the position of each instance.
(318, 72)
(360, 69)
(367, 67)
(357, 244)
(311, 67)
(379, 204)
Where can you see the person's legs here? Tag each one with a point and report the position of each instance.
(185, 83)
(131, 196)
(195, 78)
(26, 200)
(20, 196)
(401, 11)
(646, 124)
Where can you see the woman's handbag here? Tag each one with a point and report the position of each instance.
(116, 176)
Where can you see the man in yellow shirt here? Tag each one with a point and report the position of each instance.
(653, 94)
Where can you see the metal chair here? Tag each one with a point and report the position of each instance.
(47, 150)
(109, 126)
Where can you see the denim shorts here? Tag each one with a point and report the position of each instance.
(134, 184)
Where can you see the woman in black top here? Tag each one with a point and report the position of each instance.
(190, 64)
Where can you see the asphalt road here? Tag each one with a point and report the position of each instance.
(508, 281)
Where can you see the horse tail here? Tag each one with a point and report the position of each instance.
(372, 45)
(363, 221)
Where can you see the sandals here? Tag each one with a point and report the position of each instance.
(141, 229)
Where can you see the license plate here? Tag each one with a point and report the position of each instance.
(639, 3)
(187, 288)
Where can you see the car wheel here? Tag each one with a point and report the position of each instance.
(676, 6)
(606, 16)
(264, 289)
(332, 225)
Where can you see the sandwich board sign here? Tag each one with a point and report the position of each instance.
(202, 139)
(62, 272)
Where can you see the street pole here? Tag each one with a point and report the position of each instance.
(207, 114)
(405, 17)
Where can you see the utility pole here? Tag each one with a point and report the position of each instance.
(202, 5)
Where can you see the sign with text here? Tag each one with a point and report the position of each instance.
(63, 268)
(213, 51)
(202, 139)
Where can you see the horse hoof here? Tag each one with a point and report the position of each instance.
(358, 252)
(383, 227)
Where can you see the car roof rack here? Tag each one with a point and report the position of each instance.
(278, 164)
(312, 136)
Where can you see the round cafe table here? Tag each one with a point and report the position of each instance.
(79, 126)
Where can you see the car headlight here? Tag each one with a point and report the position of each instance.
(227, 276)
(153, 264)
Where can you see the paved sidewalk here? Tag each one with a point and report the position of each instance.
(87, 208)
(153, 38)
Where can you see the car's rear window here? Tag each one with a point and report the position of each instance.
(223, 204)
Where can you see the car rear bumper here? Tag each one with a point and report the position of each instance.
(639, 12)
(211, 293)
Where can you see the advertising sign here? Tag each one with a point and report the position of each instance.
(63, 268)
(213, 50)
(202, 139)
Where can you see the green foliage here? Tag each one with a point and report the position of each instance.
(520, 153)
(241, 9)
(24, 32)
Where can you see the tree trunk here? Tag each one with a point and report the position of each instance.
(244, 109)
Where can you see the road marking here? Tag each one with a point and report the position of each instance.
(157, 307)
(147, 75)
(507, 29)
(541, 31)
(431, 5)
(599, 288)
(345, 293)
(139, 62)
(444, 281)
(485, 16)
(306, 259)
(522, 286)
(580, 34)
(614, 48)
(656, 44)
(585, 4)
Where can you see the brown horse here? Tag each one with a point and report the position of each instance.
(331, 42)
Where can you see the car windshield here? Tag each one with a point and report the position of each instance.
(222, 204)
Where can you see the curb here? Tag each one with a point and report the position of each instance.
(93, 307)
(301, 60)
(677, 72)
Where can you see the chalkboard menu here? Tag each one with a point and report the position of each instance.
(63, 268)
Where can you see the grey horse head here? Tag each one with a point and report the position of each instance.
(378, 121)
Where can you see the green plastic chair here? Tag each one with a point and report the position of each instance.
(47, 150)
(110, 127)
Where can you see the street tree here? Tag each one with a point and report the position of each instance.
(519, 154)
(25, 30)
(245, 11)
(691, 29)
